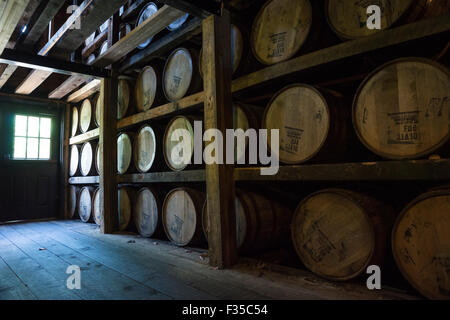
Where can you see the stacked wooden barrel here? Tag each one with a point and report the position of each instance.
(261, 223)
(401, 110)
(421, 243)
(280, 29)
(181, 74)
(72, 198)
(179, 149)
(348, 19)
(97, 211)
(124, 152)
(337, 233)
(126, 199)
(147, 212)
(85, 204)
(182, 216)
(309, 121)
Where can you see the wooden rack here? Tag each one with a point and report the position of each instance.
(215, 101)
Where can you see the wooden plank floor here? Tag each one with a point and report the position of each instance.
(34, 257)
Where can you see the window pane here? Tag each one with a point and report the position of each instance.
(32, 148)
(33, 127)
(20, 147)
(46, 126)
(21, 126)
(44, 149)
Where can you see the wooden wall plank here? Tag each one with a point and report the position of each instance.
(108, 148)
(219, 178)
(85, 137)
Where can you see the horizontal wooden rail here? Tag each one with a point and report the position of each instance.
(162, 111)
(85, 137)
(158, 177)
(84, 180)
(424, 170)
(344, 50)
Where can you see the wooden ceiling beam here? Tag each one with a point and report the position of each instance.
(34, 33)
(157, 22)
(67, 39)
(197, 8)
(10, 13)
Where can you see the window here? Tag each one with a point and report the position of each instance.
(32, 138)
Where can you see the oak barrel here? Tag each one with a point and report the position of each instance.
(103, 48)
(146, 12)
(97, 211)
(123, 99)
(181, 74)
(261, 224)
(98, 110)
(402, 109)
(421, 243)
(244, 117)
(72, 200)
(85, 204)
(74, 121)
(126, 198)
(310, 123)
(86, 115)
(337, 233)
(147, 212)
(237, 49)
(178, 23)
(146, 88)
(348, 19)
(98, 159)
(87, 166)
(174, 151)
(280, 29)
(181, 216)
(124, 29)
(147, 148)
(74, 160)
(124, 152)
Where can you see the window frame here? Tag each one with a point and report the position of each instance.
(38, 137)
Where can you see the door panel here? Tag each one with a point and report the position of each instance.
(28, 188)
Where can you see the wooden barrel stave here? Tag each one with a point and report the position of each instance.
(126, 200)
(72, 201)
(97, 212)
(179, 122)
(85, 204)
(401, 109)
(75, 120)
(181, 216)
(74, 160)
(87, 158)
(181, 74)
(125, 152)
(86, 116)
(337, 233)
(261, 224)
(280, 29)
(147, 213)
(312, 124)
(421, 243)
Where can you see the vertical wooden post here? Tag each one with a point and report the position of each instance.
(108, 148)
(65, 160)
(217, 70)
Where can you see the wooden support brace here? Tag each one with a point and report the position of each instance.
(218, 101)
(108, 149)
